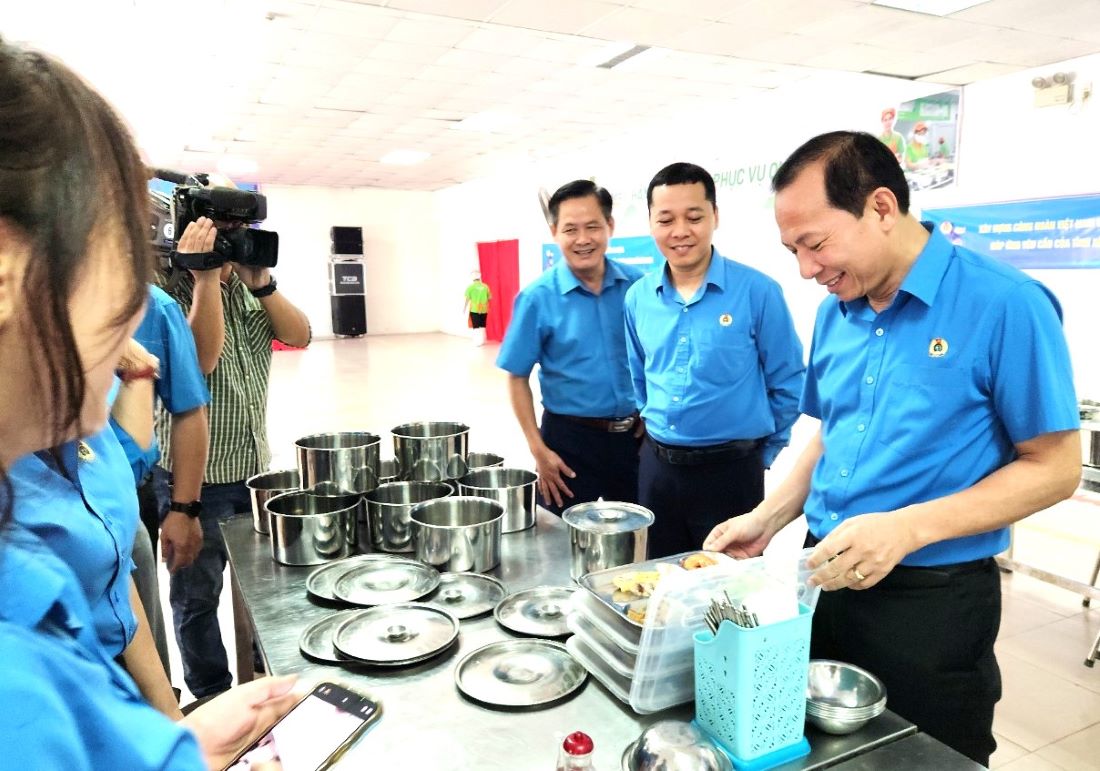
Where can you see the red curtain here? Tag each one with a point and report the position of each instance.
(499, 261)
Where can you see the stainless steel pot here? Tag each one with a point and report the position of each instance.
(387, 471)
(1090, 443)
(431, 451)
(513, 488)
(460, 534)
(606, 534)
(267, 485)
(347, 461)
(388, 509)
(309, 529)
(476, 460)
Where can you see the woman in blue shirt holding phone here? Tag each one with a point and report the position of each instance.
(74, 264)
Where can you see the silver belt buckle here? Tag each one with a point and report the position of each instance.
(619, 426)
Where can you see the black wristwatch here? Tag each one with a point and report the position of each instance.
(192, 509)
(264, 291)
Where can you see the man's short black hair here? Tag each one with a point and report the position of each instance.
(579, 188)
(683, 174)
(856, 164)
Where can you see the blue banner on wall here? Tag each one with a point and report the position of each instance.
(639, 251)
(1046, 233)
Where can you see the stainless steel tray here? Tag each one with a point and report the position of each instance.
(519, 673)
(616, 604)
(396, 635)
(316, 641)
(540, 611)
(465, 595)
(383, 579)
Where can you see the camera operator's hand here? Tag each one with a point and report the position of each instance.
(198, 238)
(252, 276)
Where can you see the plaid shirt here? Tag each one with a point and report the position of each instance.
(238, 387)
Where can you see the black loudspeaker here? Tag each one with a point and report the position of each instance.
(346, 240)
(349, 315)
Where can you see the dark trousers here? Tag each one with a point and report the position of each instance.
(928, 634)
(152, 492)
(687, 501)
(194, 593)
(606, 463)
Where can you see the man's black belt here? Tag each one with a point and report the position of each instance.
(611, 425)
(697, 456)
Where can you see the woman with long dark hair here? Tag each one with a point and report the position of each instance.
(74, 265)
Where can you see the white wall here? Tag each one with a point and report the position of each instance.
(399, 247)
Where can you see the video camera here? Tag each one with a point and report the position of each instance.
(192, 199)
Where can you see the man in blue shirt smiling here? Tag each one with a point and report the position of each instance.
(570, 322)
(717, 369)
(943, 384)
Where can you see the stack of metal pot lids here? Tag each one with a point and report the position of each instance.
(381, 579)
(540, 612)
(519, 673)
(396, 635)
(608, 517)
(321, 581)
(465, 595)
(316, 641)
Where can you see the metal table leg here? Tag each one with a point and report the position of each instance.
(1092, 581)
(242, 629)
(1094, 653)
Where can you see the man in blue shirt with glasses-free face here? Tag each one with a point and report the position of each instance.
(717, 369)
(570, 322)
(943, 384)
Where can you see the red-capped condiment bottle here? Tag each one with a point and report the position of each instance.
(576, 753)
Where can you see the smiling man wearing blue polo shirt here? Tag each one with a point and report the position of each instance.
(570, 322)
(717, 369)
(943, 384)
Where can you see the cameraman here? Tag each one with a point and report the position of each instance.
(235, 313)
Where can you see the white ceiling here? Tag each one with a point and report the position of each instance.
(317, 91)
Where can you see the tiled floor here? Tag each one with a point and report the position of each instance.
(1049, 717)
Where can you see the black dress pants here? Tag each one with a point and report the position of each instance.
(928, 634)
(606, 463)
(689, 500)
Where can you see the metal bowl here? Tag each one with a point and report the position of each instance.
(460, 534)
(674, 744)
(842, 698)
(476, 460)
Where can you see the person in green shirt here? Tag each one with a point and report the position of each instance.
(916, 153)
(889, 137)
(477, 303)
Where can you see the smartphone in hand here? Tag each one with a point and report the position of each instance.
(314, 734)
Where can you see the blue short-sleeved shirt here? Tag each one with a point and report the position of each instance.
(930, 396)
(63, 702)
(725, 365)
(96, 538)
(576, 338)
(181, 387)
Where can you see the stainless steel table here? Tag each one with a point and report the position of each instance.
(427, 724)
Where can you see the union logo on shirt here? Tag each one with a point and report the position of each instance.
(937, 348)
(725, 319)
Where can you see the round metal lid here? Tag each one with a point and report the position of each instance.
(394, 635)
(608, 517)
(519, 673)
(465, 595)
(380, 580)
(322, 580)
(316, 641)
(540, 611)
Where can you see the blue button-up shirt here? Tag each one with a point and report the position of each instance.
(724, 365)
(181, 387)
(63, 702)
(576, 338)
(90, 523)
(930, 396)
